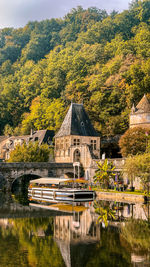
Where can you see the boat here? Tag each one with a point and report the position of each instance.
(53, 190)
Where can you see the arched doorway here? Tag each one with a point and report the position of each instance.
(76, 155)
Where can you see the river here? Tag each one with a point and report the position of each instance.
(84, 235)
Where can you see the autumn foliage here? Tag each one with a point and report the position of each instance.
(134, 141)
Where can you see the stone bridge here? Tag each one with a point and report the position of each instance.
(9, 172)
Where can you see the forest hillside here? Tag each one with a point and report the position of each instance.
(89, 56)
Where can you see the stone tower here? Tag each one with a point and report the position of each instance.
(77, 140)
(140, 115)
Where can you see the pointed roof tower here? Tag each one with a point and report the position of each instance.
(143, 106)
(76, 122)
(140, 115)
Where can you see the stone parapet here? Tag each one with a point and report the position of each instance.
(120, 197)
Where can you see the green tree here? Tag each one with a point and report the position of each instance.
(139, 166)
(45, 113)
(137, 234)
(8, 130)
(30, 152)
(104, 173)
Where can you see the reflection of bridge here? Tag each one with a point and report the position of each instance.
(11, 171)
(11, 209)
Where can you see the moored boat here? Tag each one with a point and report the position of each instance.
(52, 190)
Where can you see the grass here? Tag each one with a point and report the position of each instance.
(136, 192)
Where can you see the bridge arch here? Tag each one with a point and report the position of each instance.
(23, 181)
(70, 175)
(3, 181)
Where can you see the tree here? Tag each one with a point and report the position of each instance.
(133, 141)
(8, 130)
(139, 166)
(104, 173)
(31, 152)
(45, 113)
(137, 234)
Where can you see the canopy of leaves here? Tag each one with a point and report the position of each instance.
(133, 141)
(139, 166)
(88, 56)
(137, 234)
(104, 173)
(31, 152)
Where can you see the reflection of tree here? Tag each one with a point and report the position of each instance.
(35, 236)
(109, 252)
(105, 211)
(137, 234)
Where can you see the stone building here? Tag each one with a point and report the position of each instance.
(140, 115)
(7, 144)
(77, 140)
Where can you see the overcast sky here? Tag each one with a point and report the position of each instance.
(17, 13)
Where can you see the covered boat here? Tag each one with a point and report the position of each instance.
(57, 190)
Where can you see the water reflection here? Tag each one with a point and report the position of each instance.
(75, 238)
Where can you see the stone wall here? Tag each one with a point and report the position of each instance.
(140, 120)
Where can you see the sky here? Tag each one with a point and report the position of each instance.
(17, 13)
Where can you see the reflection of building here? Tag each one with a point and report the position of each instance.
(132, 210)
(77, 140)
(139, 260)
(9, 143)
(75, 234)
(140, 115)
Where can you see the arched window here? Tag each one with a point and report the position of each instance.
(76, 156)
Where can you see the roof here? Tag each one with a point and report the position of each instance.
(76, 122)
(18, 137)
(143, 106)
(3, 137)
(47, 180)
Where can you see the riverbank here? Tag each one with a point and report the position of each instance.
(121, 197)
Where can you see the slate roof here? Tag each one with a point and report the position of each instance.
(42, 136)
(143, 106)
(76, 122)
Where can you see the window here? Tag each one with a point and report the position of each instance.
(76, 142)
(93, 144)
(61, 144)
(66, 143)
(36, 138)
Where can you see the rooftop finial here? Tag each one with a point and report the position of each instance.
(133, 108)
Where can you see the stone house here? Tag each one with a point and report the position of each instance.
(9, 143)
(77, 140)
(140, 115)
